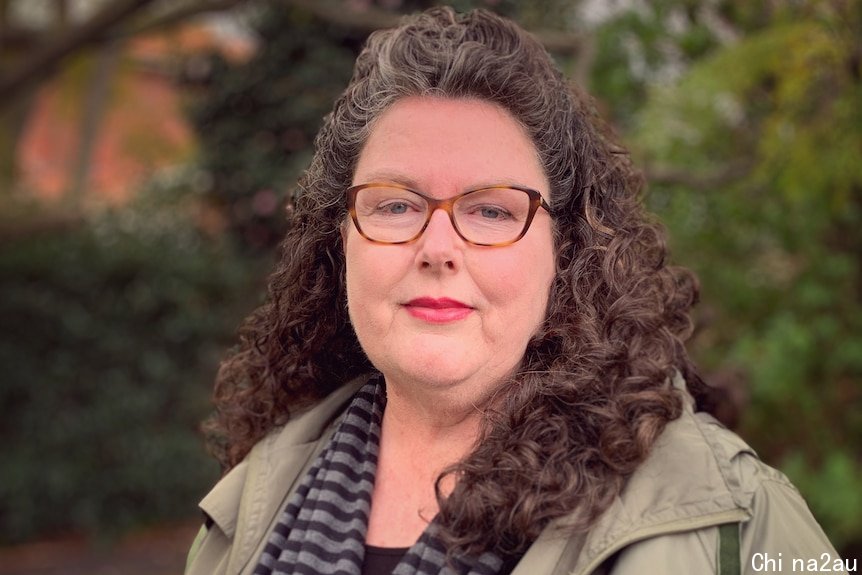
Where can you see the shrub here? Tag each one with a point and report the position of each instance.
(112, 333)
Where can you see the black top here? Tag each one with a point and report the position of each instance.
(381, 560)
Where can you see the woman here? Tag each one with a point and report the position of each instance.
(471, 359)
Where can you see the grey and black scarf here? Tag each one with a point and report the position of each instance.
(322, 529)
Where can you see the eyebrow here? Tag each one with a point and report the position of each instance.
(390, 176)
(394, 177)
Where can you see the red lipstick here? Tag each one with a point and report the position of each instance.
(437, 310)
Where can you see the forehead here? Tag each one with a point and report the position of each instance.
(449, 145)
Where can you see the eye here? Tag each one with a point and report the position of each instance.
(394, 207)
(491, 212)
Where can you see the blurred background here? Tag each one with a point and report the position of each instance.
(147, 147)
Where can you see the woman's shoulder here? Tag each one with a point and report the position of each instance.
(698, 477)
(697, 470)
(698, 453)
(705, 475)
(757, 514)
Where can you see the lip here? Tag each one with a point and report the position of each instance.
(437, 310)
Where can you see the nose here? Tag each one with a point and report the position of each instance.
(440, 247)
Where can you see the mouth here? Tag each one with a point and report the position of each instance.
(437, 310)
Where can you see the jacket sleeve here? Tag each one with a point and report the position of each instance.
(685, 552)
(783, 536)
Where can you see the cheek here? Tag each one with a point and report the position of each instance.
(371, 272)
(519, 277)
(357, 260)
(355, 277)
(362, 305)
(506, 285)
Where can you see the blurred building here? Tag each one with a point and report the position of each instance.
(140, 126)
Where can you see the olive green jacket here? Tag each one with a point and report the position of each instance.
(699, 476)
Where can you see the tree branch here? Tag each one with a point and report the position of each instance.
(178, 16)
(4, 17)
(18, 39)
(99, 29)
(43, 62)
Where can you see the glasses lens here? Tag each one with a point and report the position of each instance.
(389, 214)
(492, 216)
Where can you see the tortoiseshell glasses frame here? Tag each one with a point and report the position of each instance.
(447, 205)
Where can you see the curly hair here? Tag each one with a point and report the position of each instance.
(593, 391)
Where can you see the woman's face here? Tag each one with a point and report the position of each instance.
(439, 312)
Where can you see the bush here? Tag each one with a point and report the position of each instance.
(766, 132)
(112, 335)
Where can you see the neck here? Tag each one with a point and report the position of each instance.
(445, 424)
(448, 428)
(437, 409)
(417, 442)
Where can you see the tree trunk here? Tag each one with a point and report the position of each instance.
(62, 10)
(13, 118)
(95, 101)
(4, 17)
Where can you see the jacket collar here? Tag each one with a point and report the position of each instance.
(246, 501)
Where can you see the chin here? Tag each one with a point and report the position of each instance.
(436, 378)
(440, 372)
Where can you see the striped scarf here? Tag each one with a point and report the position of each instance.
(322, 529)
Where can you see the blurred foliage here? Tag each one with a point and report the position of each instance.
(112, 332)
(754, 139)
(257, 123)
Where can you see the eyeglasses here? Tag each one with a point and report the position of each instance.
(393, 214)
